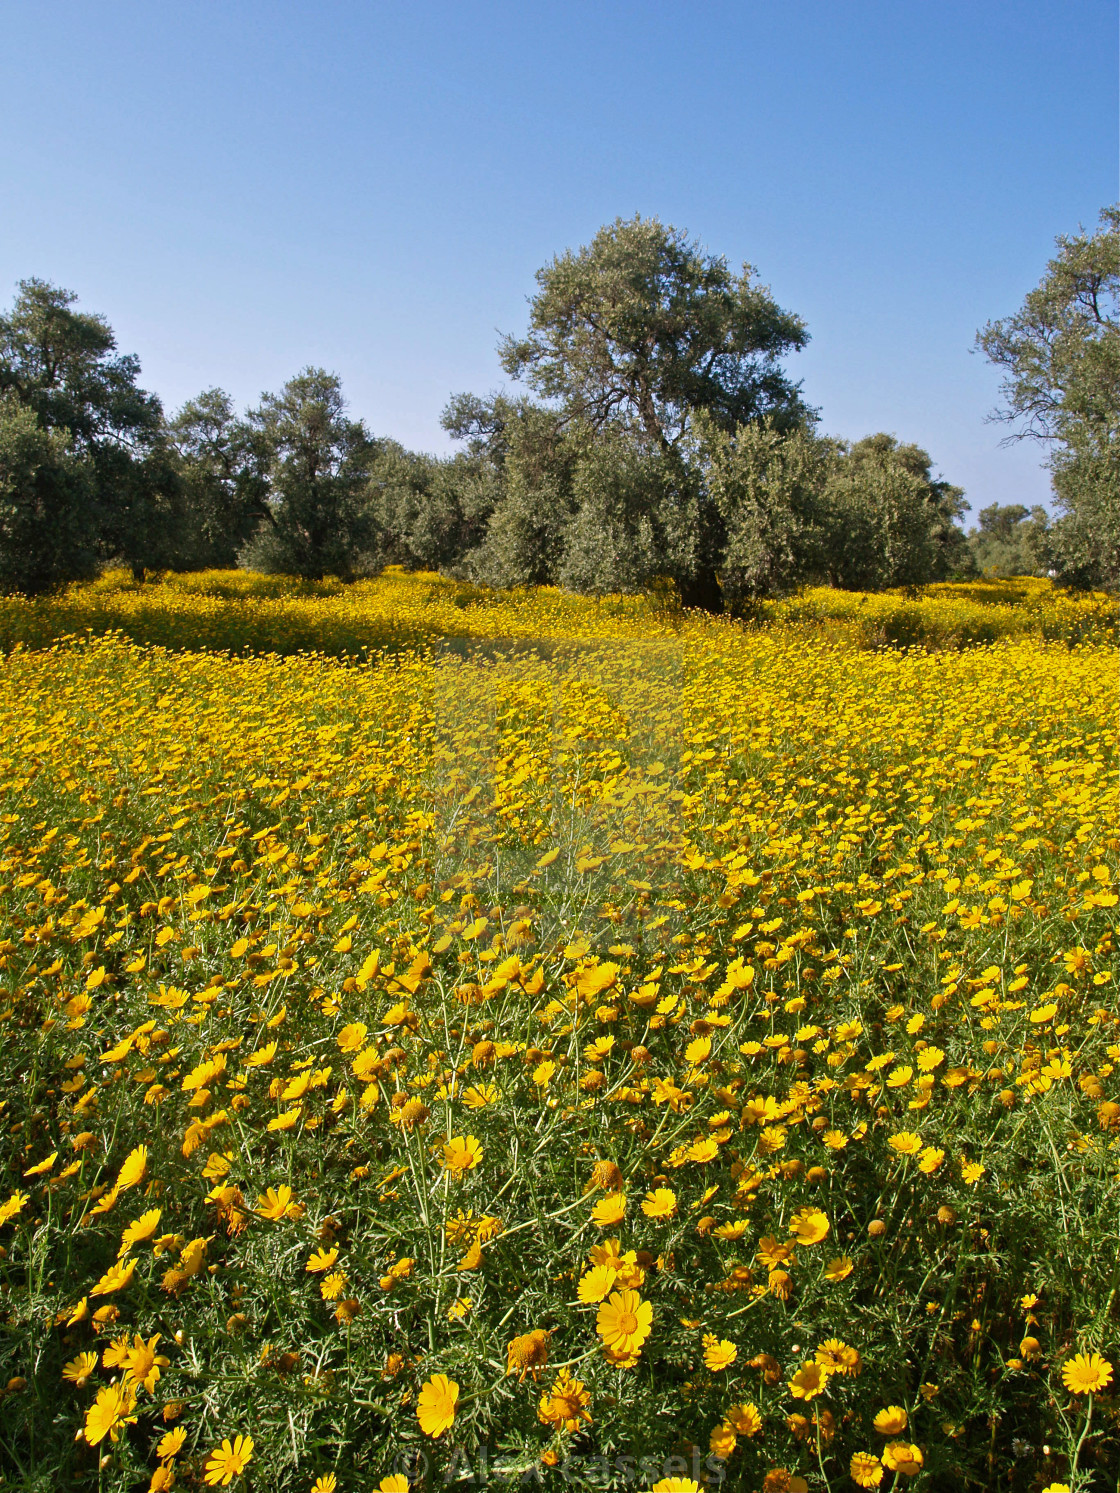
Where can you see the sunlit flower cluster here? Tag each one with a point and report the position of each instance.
(617, 1032)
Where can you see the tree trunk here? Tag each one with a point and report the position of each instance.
(702, 590)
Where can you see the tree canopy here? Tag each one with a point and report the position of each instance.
(890, 521)
(641, 328)
(64, 365)
(316, 462)
(657, 441)
(1060, 352)
(222, 470)
(1060, 357)
(48, 530)
(1011, 540)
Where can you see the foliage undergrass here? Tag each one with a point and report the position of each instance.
(815, 937)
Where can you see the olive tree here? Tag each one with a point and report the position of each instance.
(1060, 359)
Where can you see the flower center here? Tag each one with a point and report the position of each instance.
(627, 1322)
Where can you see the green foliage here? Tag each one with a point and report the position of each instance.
(317, 463)
(674, 446)
(661, 445)
(1061, 358)
(729, 518)
(47, 533)
(527, 456)
(429, 512)
(890, 522)
(144, 516)
(524, 538)
(610, 545)
(1011, 540)
(641, 328)
(765, 487)
(1085, 540)
(63, 366)
(1060, 352)
(223, 485)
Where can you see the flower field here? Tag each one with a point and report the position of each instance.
(240, 612)
(455, 1040)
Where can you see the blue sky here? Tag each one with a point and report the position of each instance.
(245, 188)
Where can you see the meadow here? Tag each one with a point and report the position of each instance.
(458, 1039)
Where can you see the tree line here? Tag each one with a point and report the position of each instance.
(657, 439)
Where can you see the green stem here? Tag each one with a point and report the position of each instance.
(1081, 1441)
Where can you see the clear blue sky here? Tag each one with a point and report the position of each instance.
(245, 188)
